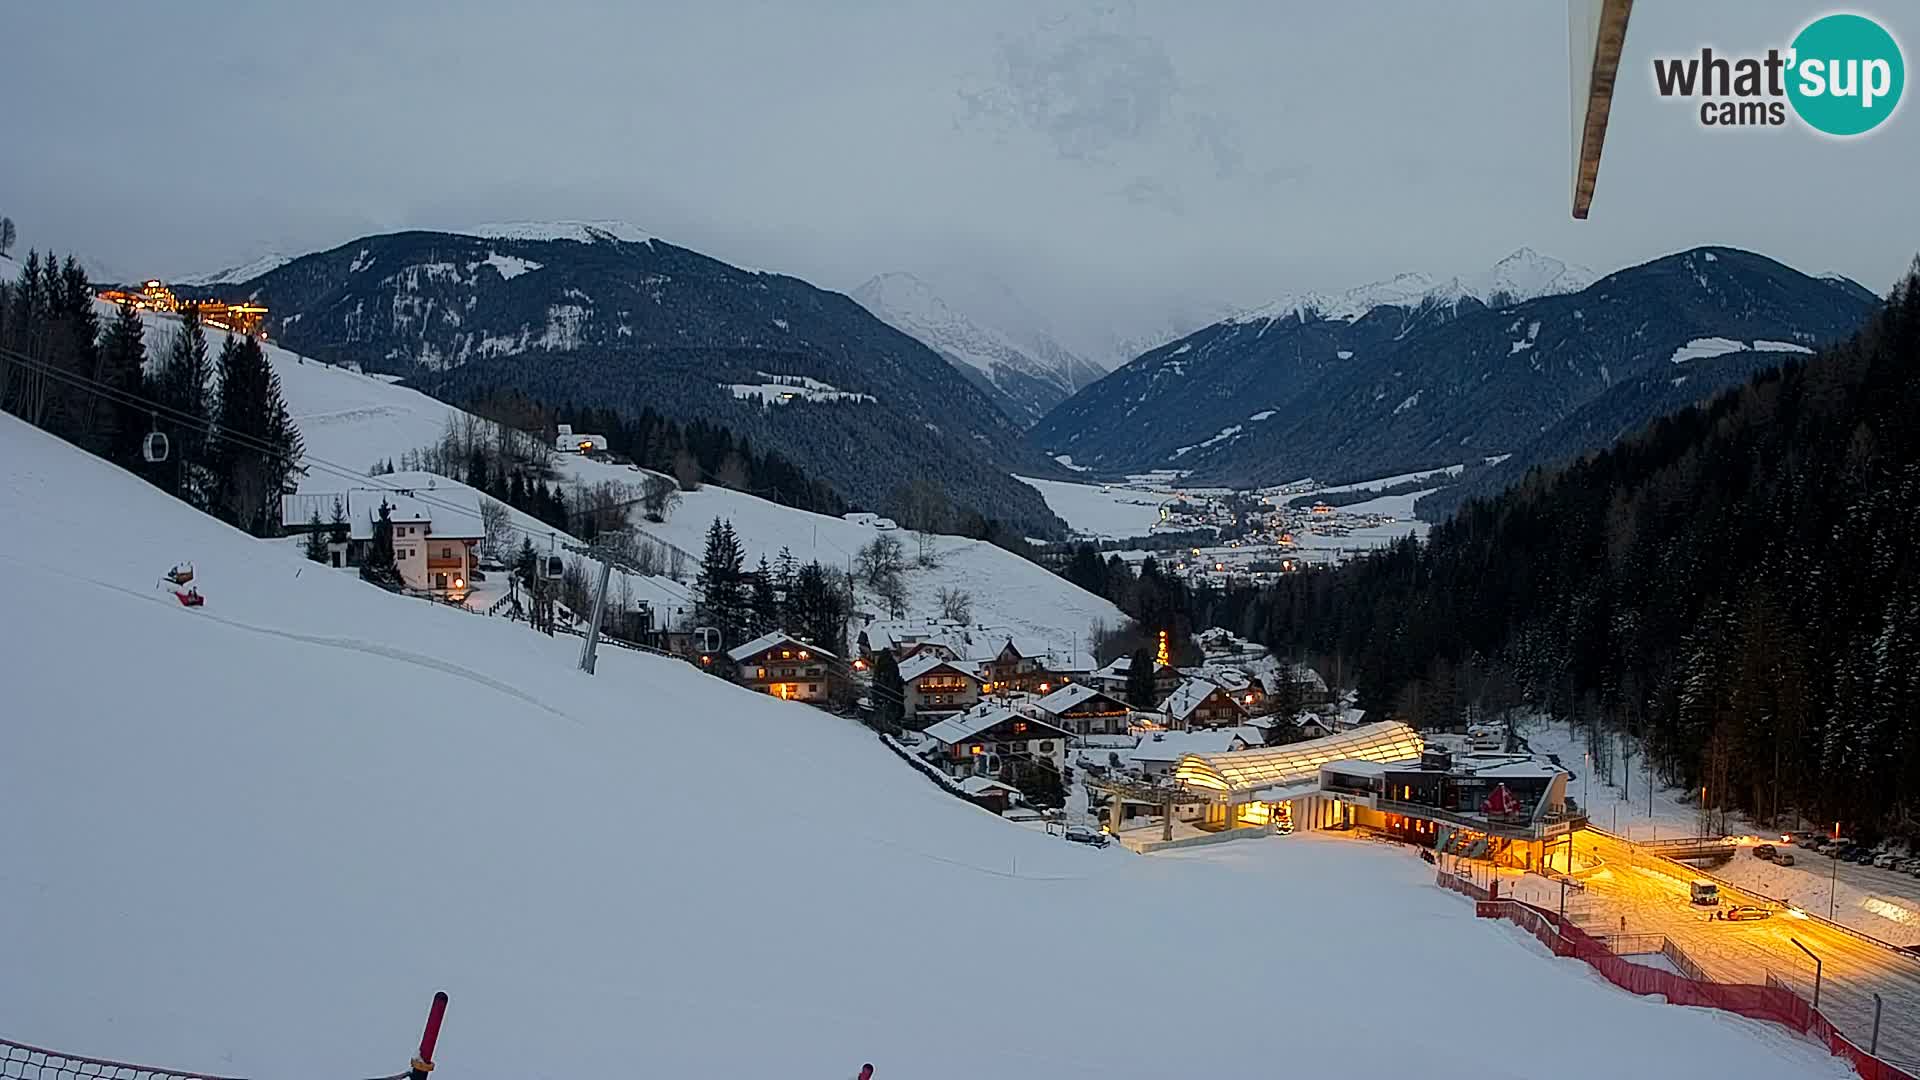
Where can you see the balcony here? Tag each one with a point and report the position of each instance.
(1523, 827)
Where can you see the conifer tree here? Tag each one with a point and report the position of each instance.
(339, 530)
(260, 445)
(316, 545)
(1140, 668)
(182, 386)
(379, 566)
(889, 692)
(123, 361)
(720, 583)
(766, 609)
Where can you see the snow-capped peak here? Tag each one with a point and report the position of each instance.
(582, 232)
(911, 305)
(234, 275)
(1526, 274)
(1523, 275)
(1402, 290)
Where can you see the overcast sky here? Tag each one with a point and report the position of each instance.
(1097, 156)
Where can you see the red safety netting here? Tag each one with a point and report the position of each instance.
(1773, 1002)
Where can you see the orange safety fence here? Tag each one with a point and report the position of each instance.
(1774, 1002)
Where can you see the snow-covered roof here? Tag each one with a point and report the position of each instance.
(980, 718)
(1171, 746)
(1070, 695)
(917, 666)
(1363, 767)
(982, 785)
(1119, 666)
(448, 513)
(767, 641)
(1189, 696)
(1249, 770)
(1506, 767)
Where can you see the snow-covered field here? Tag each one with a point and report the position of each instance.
(350, 421)
(280, 821)
(1101, 510)
(1007, 591)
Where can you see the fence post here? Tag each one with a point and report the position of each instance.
(1875, 1048)
(423, 1064)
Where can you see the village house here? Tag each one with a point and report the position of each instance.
(1084, 710)
(937, 687)
(1199, 703)
(1113, 678)
(981, 740)
(1312, 686)
(786, 667)
(1248, 691)
(1158, 753)
(569, 441)
(436, 534)
(991, 793)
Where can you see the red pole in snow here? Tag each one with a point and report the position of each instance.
(423, 1064)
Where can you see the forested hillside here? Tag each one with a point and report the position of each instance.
(630, 323)
(1738, 583)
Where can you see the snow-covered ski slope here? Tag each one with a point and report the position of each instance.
(252, 838)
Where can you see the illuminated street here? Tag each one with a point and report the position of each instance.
(1654, 900)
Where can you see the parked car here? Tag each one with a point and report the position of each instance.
(1785, 858)
(1884, 860)
(1745, 913)
(1763, 851)
(1081, 834)
(1864, 857)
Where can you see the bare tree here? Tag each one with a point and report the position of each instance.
(658, 497)
(676, 564)
(956, 605)
(880, 560)
(496, 528)
(929, 549)
(686, 470)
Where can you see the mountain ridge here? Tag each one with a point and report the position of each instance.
(1297, 389)
(603, 314)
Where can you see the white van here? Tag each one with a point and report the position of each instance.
(1706, 893)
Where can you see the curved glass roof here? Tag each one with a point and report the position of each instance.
(1245, 771)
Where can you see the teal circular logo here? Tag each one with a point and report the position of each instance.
(1847, 74)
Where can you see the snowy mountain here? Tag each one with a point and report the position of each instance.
(1027, 380)
(234, 275)
(1405, 375)
(1523, 275)
(253, 837)
(582, 232)
(605, 313)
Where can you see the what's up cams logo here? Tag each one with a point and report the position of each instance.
(1842, 76)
